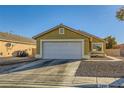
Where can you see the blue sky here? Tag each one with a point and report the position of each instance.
(31, 20)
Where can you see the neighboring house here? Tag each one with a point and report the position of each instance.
(119, 46)
(10, 43)
(63, 42)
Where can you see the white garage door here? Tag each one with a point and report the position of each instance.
(62, 50)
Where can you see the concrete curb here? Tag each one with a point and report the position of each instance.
(113, 59)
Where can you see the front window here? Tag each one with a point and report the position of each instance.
(97, 47)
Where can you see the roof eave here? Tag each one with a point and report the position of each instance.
(17, 42)
(61, 25)
(72, 29)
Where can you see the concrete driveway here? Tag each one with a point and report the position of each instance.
(39, 73)
(55, 73)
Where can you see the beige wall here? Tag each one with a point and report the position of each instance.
(17, 46)
(113, 52)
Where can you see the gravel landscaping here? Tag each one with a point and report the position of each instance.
(101, 69)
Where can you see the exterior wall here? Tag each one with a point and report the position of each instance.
(6, 52)
(67, 35)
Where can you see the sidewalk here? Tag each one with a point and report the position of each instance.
(79, 82)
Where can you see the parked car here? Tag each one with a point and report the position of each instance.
(20, 54)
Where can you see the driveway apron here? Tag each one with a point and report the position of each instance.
(50, 72)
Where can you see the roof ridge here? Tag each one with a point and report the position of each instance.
(73, 29)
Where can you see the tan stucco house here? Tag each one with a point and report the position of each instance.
(63, 42)
(11, 42)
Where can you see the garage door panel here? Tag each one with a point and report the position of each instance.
(62, 50)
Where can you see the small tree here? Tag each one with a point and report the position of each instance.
(110, 42)
(120, 14)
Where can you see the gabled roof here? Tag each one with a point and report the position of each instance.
(4, 36)
(72, 29)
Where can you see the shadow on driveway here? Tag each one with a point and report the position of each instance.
(118, 83)
(39, 64)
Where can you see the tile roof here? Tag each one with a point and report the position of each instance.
(15, 38)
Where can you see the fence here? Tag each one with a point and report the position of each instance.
(115, 52)
(122, 52)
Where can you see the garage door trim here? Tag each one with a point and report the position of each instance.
(61, 40)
